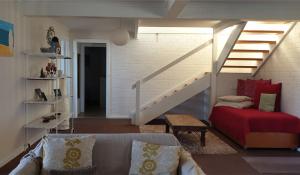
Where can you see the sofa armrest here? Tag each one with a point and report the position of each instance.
(28, 165)
(187, 165)
(31, 163)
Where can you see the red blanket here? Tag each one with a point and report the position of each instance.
(236, 123)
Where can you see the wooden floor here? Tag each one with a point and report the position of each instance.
(212, 164)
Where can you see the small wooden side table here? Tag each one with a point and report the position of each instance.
(184, 122)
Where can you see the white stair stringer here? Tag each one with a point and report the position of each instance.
(172, 98)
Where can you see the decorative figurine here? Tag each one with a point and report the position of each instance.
(50, 35)
(53, 41)
(51, 69)
(42, 74)
(56, 45)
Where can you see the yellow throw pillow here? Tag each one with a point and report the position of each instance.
(67, 153)
(152, 159)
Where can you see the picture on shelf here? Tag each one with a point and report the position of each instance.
(40, 95)
(44, 96)
(57, 93)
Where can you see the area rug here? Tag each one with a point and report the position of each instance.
(275, 165)
(191, 141)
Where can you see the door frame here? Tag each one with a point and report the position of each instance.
(88, 42)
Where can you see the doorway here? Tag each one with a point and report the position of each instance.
(92, 78)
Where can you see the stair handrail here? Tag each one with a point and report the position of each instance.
(138, 83)
(173, 63)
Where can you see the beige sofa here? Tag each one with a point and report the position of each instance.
(112, 152)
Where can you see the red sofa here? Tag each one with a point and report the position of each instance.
(252, 128)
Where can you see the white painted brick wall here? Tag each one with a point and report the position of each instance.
(283, 67)
(227, 83)
(147, 54)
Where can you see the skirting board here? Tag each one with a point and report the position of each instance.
(118, 117)
(20, 149)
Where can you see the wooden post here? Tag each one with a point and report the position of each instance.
(137, 115)
(214, 71)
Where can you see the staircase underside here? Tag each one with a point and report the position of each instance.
(173, 98)
(256, 43)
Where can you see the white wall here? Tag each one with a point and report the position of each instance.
(283, 67)
(227, 83)
(29, 34)
(145, 55)
(12, 92)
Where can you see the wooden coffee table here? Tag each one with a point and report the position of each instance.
(184, 122)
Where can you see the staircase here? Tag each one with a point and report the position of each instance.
(248, 47)
(172, 98)
(255, 45)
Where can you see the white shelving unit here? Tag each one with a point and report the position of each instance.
(50, 100)
(38, 123)
(47, 78)
(53, 105)
(43, 55)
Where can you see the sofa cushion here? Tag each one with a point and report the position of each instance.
(267, 102)
(112, 152)
(80, 171)
(247, 87)
(234, 98)
(147, 158)
(240, 105)
(187, 165)
(68, 153)
(269, 89)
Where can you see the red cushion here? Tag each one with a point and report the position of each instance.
(270, 89)
(241, 87)
(247, 87)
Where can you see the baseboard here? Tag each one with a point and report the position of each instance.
(118, 117)
(20, 149)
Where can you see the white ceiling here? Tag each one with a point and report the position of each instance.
(97, 24)
(187, 9)
(90, 23)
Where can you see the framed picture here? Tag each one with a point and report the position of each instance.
(38, 93)
(6, 39)
(44, 97)
(57, 93)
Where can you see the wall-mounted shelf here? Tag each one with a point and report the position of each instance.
(47, 78)
(51, 100)
(38, 123)
(45, 55)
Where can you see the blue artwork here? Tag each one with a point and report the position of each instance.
(6, 39)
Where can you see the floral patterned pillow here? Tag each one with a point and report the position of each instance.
(150, 159)
(67, 153)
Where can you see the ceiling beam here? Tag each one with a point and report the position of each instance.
(124, 9)
(225, 24)
(175, 7)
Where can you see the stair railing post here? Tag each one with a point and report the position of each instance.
(137, 102)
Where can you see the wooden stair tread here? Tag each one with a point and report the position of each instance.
(264, 31)
(232, 66)
(255, 42)
(245, 59)
(250, 50)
